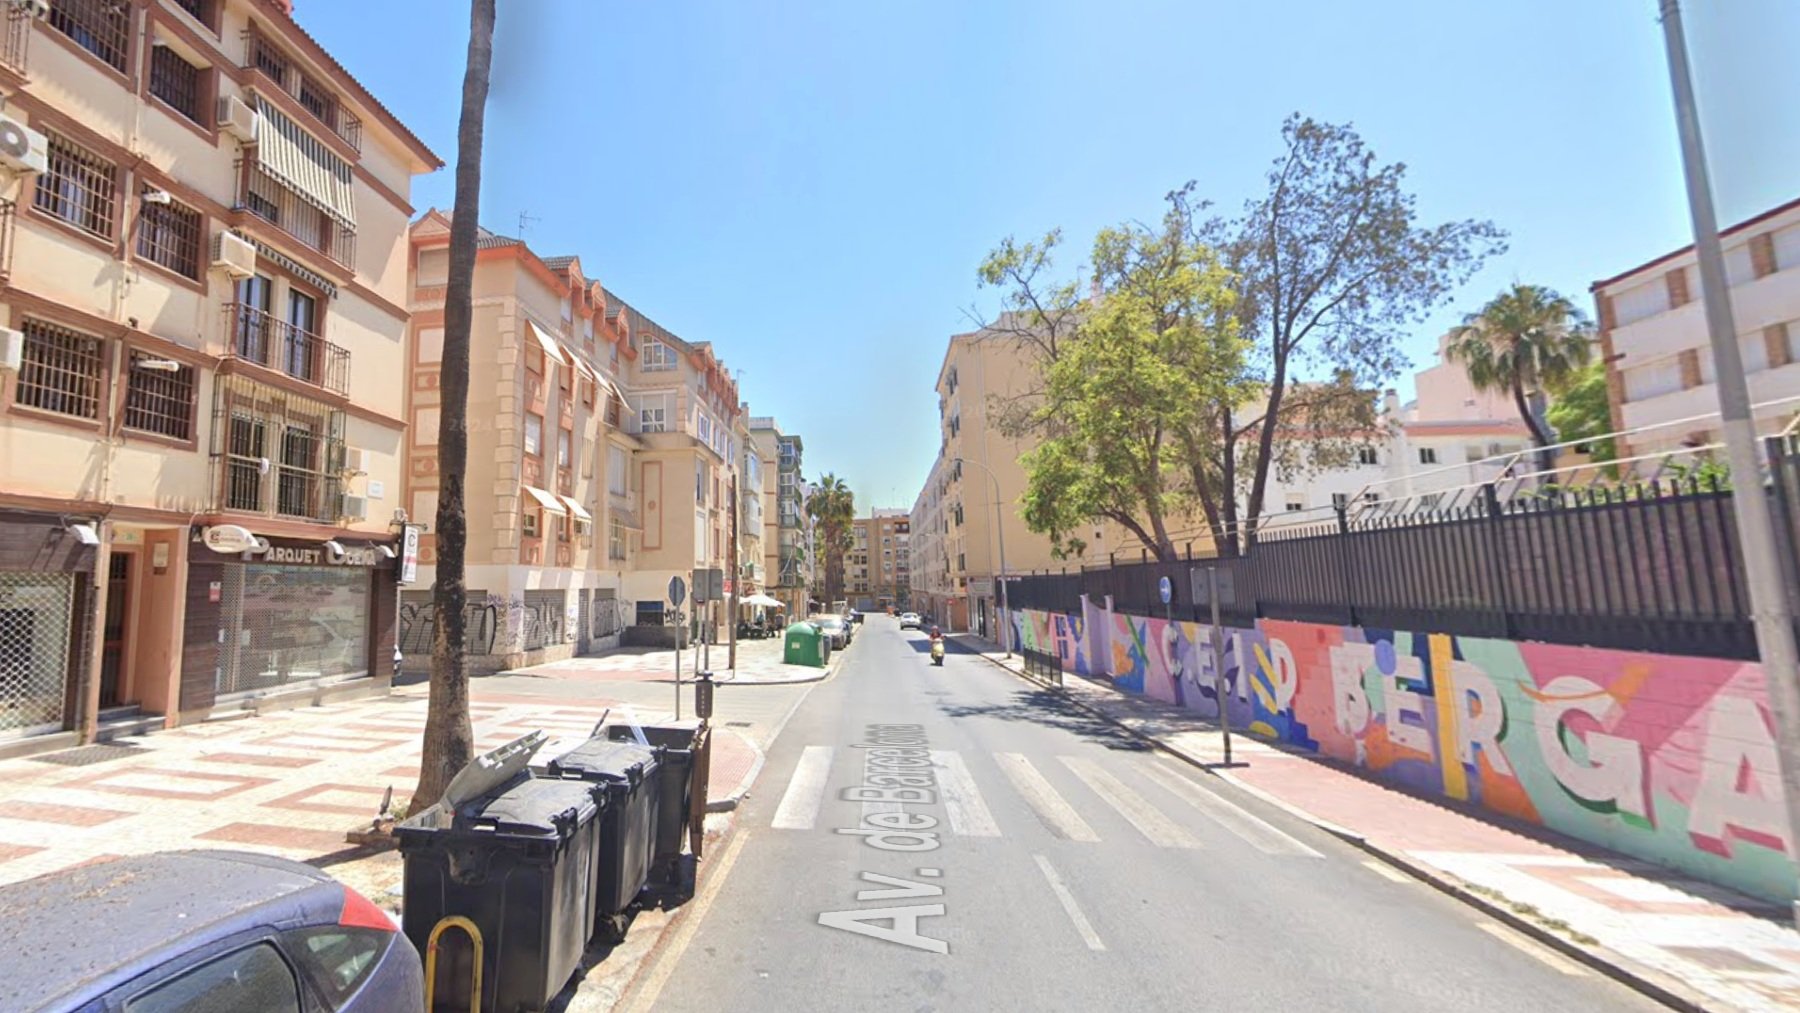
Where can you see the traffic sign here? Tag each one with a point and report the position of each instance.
(677, 591)
(1165, 589)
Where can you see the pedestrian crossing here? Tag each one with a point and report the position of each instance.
(1156, 808)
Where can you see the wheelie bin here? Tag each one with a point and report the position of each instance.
(518, 863)
(674, 793)
(625, 774)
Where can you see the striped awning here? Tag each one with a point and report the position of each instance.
(292, 266)
(546, 499)
(304, 164)
(552, 347)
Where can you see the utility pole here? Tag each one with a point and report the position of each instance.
(1756, 531)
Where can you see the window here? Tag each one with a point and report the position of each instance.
(587, 393)
(565, 378)
(534, 435)
(617, 473)
(658, 357)
(1427, 455)
(615, 539)
(705, 427)
(102, 27)
(78, 187)
(564, 448)
(562, 528)
(1371, 497)
(1295, 504)
(60, 371)
(158, 399)
(300, 357)
(317, 100)
(200, 9)
(175, 81)
(243, 490)
(700, 483)
(653, 418)
(1367, 455)
(254, 977)
(339, 956)
(169, 234)
(266, 58)
(529, 524)
(302, 466)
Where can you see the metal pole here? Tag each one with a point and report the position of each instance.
(1218, 645)
(1756, 532)
(679, 626)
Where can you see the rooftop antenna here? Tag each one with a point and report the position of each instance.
(525, 221)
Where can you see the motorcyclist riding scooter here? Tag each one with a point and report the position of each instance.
(937, 646)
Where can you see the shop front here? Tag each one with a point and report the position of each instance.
(46, 568)
(284, 614)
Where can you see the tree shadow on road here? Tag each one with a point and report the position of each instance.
(1050, 709)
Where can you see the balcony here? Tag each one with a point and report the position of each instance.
(277, 454)
(269, 199)
(268, 341)
(275, 67)
(15, 36)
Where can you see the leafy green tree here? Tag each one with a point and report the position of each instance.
(833, 508)
(1525, 340)
(1581, 410)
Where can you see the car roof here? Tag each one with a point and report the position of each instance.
(75, 934)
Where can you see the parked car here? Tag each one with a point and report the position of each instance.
(909, 620)
(835, 628)
(201, 930)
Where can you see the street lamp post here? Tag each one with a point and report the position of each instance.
(1000, 533)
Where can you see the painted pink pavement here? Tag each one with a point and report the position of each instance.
(289, 783)
(1702, 942)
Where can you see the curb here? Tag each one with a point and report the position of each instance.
(1619, 968)
(827, 672)
(736, 795)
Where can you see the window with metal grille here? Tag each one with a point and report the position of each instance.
(79, 187)
(60, 371)
(102, 27)
(318, 101)
(266, 58)
(159, 401)
(297, 490)
(244, 463)
(169, 234)
(175, 81)
(200, 9)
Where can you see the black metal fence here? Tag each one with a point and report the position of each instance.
(1650, 566)
(1043, 665)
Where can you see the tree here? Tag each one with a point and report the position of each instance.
(833, 508)
(449, 741)
(1131, 388)
(1526, 339)
(1581, 410)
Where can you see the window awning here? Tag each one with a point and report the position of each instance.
(607, 384)
(545, 499)
(304, 164)
(575, 508)
(627, 519)
(552, 348)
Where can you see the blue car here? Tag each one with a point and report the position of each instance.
(198, 932)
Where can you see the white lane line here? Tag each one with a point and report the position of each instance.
(968, 814)
(1251, 829)
(1559, 963)
(799, 808)
(1073, 910)
(1149, 820)
(1058, 816)
(1386, 871)
(687, 925)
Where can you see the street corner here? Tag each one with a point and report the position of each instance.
(736, 762)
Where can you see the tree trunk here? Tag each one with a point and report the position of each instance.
(449, 741)
(1539, 438)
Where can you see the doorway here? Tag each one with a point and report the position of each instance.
(115, 652)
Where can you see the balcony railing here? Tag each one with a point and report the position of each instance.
(15, 35)
(269, 199)
(6, 238)
(277, 454)
(260, 337)
(276, 66)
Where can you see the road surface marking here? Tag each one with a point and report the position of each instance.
(1147, 818)
(968, 814)
(1057, 815)
(690, 915)
(799, 808)
(1073, 910)
(1561, 964)
(1253, 830)
(1386, 871)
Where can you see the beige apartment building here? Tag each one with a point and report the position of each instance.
(1658, 357)
(202, 313)
(878, 571)
(786, 556)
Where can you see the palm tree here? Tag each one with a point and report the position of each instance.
(449, 742)
(833, 506)
(1524, 340)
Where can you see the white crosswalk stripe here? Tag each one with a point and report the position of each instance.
(1057, 815)
(799, 808)
(1138, 811)
(968, 814)
(1249, 828)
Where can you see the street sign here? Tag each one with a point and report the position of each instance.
(709, 584)
(677, 591)
(1203, 590)
(1166, 590)
(409, 554)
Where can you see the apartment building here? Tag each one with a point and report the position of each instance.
(202, 290)
(1659, 363)
(548, 493)
(786, 526)
(878, 572)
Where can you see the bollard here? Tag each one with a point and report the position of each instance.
(703, 695)
(431, 959)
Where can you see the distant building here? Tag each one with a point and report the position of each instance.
(785, 524)
(878, 573)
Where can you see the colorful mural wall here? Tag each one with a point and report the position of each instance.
(1670, 759)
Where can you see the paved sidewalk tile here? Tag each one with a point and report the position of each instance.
(1734, 949)
(758, 661)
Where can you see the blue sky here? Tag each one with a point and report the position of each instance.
(810, 186)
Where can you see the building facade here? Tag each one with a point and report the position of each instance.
(203, 288)
(1653, 338)
(878, 573)
(785, 523)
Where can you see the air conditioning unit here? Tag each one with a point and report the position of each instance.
(354, 508)
(12, 349)
(21, 148)
(237, 118)
(356, 460)
(234, 255)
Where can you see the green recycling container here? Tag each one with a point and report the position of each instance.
(805, 644)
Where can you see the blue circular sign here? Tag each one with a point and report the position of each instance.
(1166, 589)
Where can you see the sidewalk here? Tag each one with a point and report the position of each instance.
(1683, 941)
(758, 664)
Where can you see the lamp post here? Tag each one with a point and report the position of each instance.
(1000, 533)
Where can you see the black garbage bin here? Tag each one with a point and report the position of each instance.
(674, 794)
(625, 774)
(519, 863)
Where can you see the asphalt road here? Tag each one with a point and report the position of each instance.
(1061, 866)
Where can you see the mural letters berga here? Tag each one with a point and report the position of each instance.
(1667, 758)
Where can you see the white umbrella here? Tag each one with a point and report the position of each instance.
(763, 600)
